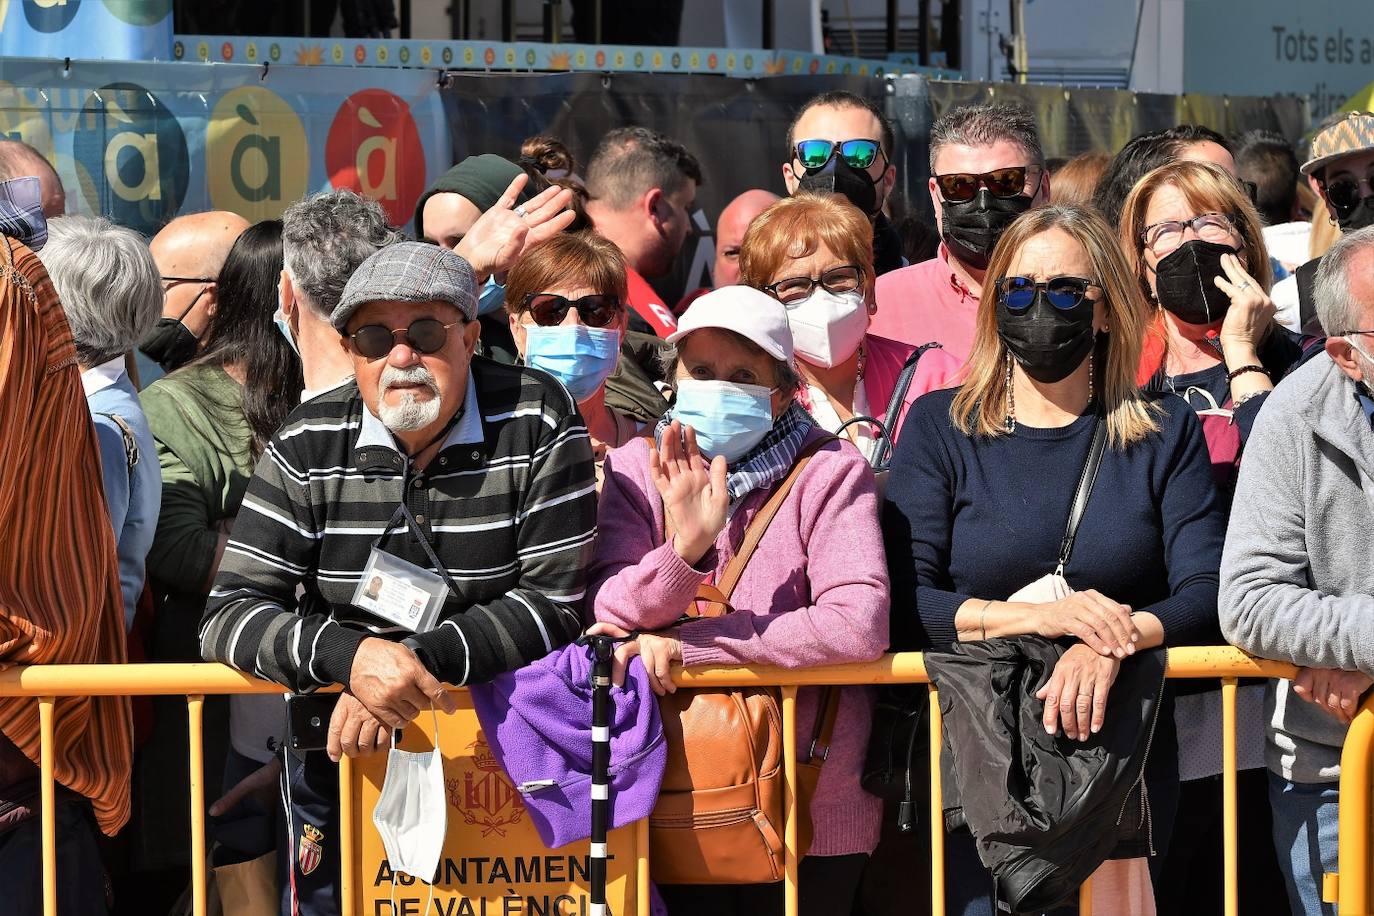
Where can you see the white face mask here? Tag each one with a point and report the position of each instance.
(412, 811)
(279, 318)
(828, 327)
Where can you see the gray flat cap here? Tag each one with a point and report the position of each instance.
(409, 272)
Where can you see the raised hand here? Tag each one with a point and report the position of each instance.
(1248, 318)
(694, 494)
(501, 235)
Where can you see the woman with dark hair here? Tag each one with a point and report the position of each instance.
(211, 420)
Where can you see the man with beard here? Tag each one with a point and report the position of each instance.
(465, 485)
(841, 143)
(987, 169)
(1341, 170)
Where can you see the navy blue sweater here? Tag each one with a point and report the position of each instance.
(979, 517)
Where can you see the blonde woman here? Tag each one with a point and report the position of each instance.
(982, 480)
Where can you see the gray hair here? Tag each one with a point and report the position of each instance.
(108, 284)
(1337, 309)
(983, 125)
(325, 238)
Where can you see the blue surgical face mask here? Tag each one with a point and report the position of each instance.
(729, 419)
(491, 297)
(580, 357)
(279, 318)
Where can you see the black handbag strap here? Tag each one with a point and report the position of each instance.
(882, 452)
(1085, 489)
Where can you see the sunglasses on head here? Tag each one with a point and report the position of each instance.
(858, 154)
(425, 335)
(1344, 191)
(960, 187)
(549, 309)
(1019, 293)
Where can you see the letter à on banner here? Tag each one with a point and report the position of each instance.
(374, 148)
(494, 863)
(257, 155)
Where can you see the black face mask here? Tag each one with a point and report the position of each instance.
(1359, 217)
(170, 343)
(971, 228)
(839, 177)
(1049, 343)
(1184, 282)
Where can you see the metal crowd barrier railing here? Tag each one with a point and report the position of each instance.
(1351, 888)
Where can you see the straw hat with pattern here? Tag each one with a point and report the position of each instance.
(1352, 134)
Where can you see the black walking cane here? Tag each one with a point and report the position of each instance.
(601, 649)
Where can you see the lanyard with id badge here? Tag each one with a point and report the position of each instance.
(397, 590)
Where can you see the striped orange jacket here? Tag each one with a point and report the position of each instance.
(60, 598)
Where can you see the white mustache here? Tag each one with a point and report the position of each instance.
(414, 375)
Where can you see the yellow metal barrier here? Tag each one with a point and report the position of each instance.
(199, 680)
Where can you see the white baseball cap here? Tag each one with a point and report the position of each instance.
(750, 313)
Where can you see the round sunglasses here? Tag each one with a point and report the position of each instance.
(858, 154)
(1344, 191)
(1019, 293)
(960, 187)
(549, 309)
(425, 335)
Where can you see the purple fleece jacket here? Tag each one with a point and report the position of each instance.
(815, 593)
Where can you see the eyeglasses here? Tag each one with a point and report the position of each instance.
(169, 282)
(843, 279)
(1251, 190)
(1344, 191)
(1019, 293)
(961, 187)
(596, 311)
(858, 154)
(1166, 236)
(425, 335)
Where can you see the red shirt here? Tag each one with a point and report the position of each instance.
(647, 304)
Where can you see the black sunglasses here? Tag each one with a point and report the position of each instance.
(425, 335)
(1019, 293)
(549, 309)
(960, 187)
(859, 154)
(1344, 191)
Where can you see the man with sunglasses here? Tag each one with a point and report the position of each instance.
(467, 485)
(1296, 581)
(987, 168)
(189, 251)
(1341, 170)
(841, 143)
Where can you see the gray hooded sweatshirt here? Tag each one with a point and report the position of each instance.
(1297, 574)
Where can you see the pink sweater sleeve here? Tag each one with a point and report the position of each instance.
(637, 581)
(847, 573)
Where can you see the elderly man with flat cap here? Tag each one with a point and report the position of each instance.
(465, 485)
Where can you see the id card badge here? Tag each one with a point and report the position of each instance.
(397, 590)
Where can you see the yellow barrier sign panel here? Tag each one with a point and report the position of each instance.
(494, 863)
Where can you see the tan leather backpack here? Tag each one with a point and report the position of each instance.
(719, 815)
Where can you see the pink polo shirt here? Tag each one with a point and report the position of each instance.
(926, 302)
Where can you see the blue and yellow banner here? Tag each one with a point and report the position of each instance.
(507, 56)
(102, 29)
(142, 143)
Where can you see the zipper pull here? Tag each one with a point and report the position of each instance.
(534, 785)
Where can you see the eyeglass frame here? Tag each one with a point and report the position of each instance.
(409, 341)
(1185, 225)
(772, 288)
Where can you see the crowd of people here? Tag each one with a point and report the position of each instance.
(1125, 406)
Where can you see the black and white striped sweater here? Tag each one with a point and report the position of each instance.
(509, 505)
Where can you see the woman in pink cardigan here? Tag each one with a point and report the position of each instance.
(814, 254)
(814, 593)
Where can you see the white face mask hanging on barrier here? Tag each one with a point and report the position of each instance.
(412, 812)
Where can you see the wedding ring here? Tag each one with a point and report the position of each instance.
(520, 211)
(1245, 285)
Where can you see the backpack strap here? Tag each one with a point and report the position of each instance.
(130, 443)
